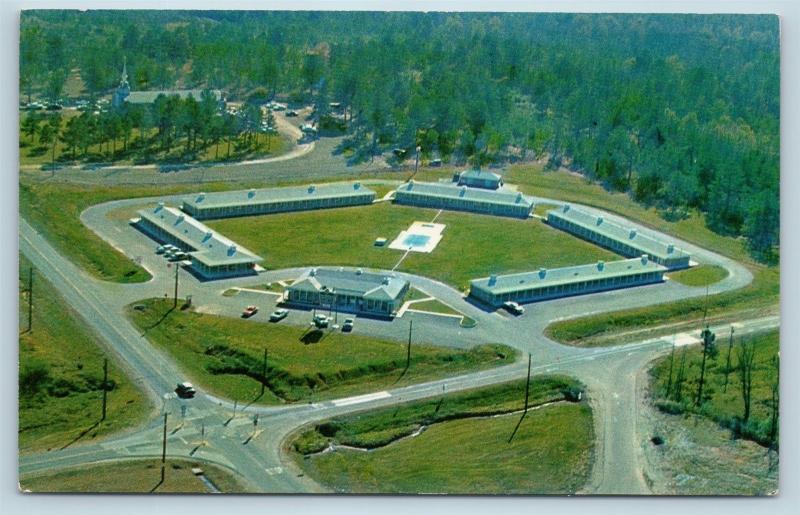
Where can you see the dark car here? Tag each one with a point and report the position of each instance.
(185, 390)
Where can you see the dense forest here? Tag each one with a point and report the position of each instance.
(680, 111)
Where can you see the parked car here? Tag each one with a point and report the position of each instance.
(436, 162)
(185, 390)
(513, 308)
(278, 315)
(249, 311)
(321, 321)
(161, 249)
(54, 107)
(348, 325)
(291, 113)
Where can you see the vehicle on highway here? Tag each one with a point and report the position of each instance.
(348, 325)
(185, 390)
(513, 308)
(278, 315)
(249, 311)
(321, 321)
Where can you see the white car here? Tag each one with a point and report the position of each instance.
(513, 307)
(321, 321)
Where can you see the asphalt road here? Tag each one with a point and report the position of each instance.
(210, 432)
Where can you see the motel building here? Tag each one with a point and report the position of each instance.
(204, 206)
(464, 198)
(567, 281)
(352, 291)
(213, 256)
(479, 179)
(627, 242)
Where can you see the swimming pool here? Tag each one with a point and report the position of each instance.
(416, 240)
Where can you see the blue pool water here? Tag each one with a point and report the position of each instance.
(416, 240)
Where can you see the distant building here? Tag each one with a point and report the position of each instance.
(463, 198)
(123, 94)
(628, 242)
(276, 200)
(352, 291)
(213, 256)
(563, 282)
(480, 179)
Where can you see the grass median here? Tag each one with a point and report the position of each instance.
(415, 447)
(61, 376)
(225, 356)
(140, 476)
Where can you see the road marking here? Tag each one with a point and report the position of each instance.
(361, 398)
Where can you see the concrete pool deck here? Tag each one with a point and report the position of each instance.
(419, 237)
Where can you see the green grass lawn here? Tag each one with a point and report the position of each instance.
(463, 449)
(702, 275)
(721, 404)
(138, 476)
(61, 373)
(472, 245)
(225, 356)
(435, 306)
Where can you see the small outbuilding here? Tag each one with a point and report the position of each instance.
(480, 179)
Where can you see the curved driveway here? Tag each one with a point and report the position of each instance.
(255, 451)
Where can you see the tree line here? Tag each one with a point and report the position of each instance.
(680, 111)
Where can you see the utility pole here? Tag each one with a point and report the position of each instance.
(408, 348)
(416, 160)
(671, 366)
(105, 386)
(728, 362)
(175, 298)
(264, 373)
(164, 449)
(528, 383)
(30, 299)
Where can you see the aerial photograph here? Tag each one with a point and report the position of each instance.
(354, 252)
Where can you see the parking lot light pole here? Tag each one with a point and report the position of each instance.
(175, 297)
(408, 349)
(164, 449)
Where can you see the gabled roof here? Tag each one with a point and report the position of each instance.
(270, 195)
(565, 275)
(352, 282)
(628, 235)
(481, 175)
(452, 191)
(210, 247)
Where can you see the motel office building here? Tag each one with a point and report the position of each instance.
(213, 256)
(628, 242)
(205, 206)
(567, 281)
(352, 291)
(463, 198)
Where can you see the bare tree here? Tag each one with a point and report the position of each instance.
(745, 364)
(773, 426)
(671, 366)
(728, 361)
(709, 349)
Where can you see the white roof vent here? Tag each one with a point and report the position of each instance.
(251, 193)
(208, 235)
(385, 280)
(542, 273)
(311, 188)
(645, 258)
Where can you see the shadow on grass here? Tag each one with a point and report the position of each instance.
(155, 487)
(312, 336)
(81, 435)
(517, 426)
(159, 321)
